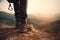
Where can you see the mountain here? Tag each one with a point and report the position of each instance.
(6, 17)
(32, 19)
(53, 27)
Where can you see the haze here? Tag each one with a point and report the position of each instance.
(38, 8)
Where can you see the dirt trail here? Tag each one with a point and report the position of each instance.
(13, 34)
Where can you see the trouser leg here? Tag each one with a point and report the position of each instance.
(21, 15)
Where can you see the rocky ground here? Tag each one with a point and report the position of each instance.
(35, 34)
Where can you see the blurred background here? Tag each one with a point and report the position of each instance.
(44, 14)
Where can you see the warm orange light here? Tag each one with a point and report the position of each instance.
(37, 6)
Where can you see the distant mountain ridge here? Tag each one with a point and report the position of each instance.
(5, 15)
(8, 18)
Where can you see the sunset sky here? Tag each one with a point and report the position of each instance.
(44, 9)
(36, 6)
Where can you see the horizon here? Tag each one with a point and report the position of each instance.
(42, 19)
(48, 9)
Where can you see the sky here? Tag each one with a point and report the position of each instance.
(36, 6)
(45, 9)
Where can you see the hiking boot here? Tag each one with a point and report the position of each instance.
(20, 25)
(23, 29)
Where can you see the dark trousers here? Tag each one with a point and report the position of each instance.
(20, 12)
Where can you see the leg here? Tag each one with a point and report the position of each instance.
(22, 8)
(20, 14)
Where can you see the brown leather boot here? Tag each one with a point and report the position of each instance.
(20, 25)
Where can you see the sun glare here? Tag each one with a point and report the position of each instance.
(36, 6)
